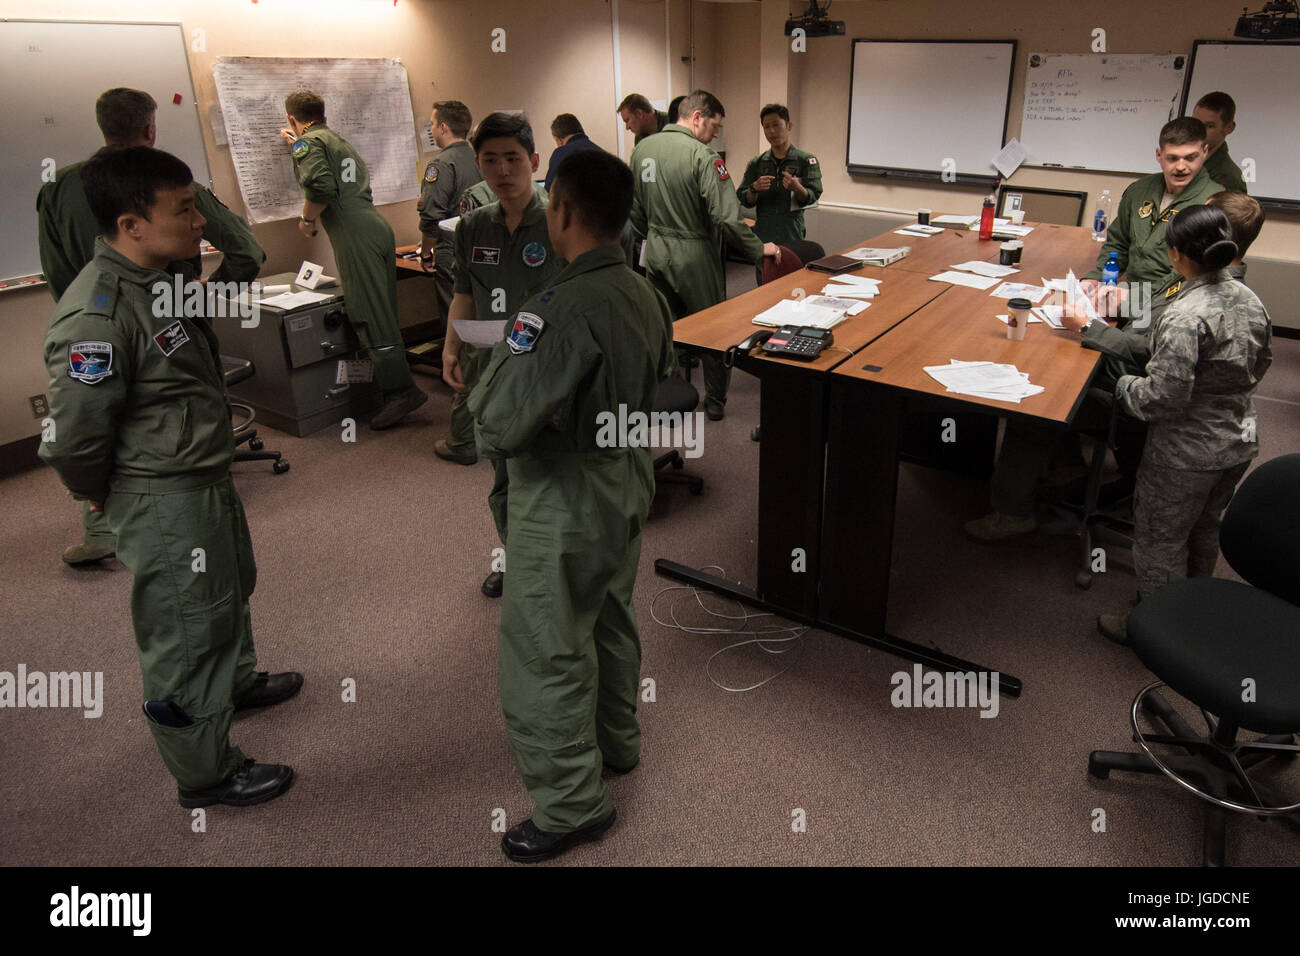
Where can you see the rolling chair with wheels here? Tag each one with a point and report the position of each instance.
(676, 394)
(235, 370)
(1233, 650)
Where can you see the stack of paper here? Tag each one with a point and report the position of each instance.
(1005, 383)
(852, 287)
(1019, 290)
(849, 306)
(878, 257)
(294, 300)
(801, 313)
(966, 279)
(1048, 314)
(949, 220)
(990, 269)
(918, 230)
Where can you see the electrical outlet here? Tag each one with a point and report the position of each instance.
(40, 406)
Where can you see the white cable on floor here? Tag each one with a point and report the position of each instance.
(794, 631)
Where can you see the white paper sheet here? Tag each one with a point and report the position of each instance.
(294, 300)
(966, 279)
(480, 332)
(1010, 158)
(1019, 290)
(989, 269)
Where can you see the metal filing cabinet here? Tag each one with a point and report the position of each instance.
(295, 355)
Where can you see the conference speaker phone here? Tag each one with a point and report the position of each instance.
(789, 341)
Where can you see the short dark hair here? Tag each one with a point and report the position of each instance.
(455, 114)
(1204, 235)
(566, 124)
(635, 101)
(124, 115)
(505, 126)
(1221, 103)
(674, 106)
(305, 106)
(1245, 216)
(598, 187)
(776, 108)
(1181, 131)
(701, 100)
(126, 179)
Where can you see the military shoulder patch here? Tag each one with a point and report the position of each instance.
(721, 169)
(171, 338)
(90, 362)
(466, 204)
(812, 160)
(431, 173)
(546, 296)
(301, 148)
(1173, 290)
(525, 333)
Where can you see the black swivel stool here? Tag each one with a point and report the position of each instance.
(1233, 650)
(675, 394)
(235, 370)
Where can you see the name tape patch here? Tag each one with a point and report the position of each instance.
(486, 256)
(171, 338)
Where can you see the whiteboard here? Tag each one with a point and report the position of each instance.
(1099, 111)
(367, 102)
(915, 105)
(51, 72)
(1261, 78)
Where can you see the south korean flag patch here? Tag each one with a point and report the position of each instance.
(90, 362)
(525, 333)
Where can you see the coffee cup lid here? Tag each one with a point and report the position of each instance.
(1020, 304)
(1008, 246)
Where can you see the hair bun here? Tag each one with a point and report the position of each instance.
(1218, 254)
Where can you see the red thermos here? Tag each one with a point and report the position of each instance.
(986, 219)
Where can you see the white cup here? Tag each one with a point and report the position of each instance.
(1018, 318)
(1018, 216)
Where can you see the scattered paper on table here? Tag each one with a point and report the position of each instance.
(951, 220)
(966, 279)
(1019, 290)
(294, 300)
(1004, 383)
(849, 291)
(849, 306)
(990, 269)
(1033, 317)
(914, 233)
(924, 230)
(801, 313)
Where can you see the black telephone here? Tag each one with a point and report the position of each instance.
(789, 341)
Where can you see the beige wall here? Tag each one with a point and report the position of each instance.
(559, 58)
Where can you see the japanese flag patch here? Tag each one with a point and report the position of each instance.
(525, 333)
(171, 338)
(300, 149)
(90, 362)
(812, 160)
(721, 169)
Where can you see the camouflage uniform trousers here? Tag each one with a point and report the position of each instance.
(1177, 513)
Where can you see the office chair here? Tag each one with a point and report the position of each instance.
(235, 370)
(676, 394)
(1233, 650)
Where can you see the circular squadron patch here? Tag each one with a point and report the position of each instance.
(301, 148)
(534, 254)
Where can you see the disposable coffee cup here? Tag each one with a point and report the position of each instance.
(923, 217)
(1018, 217)
(1017, 247)
(1018, 318)
(1007, 253)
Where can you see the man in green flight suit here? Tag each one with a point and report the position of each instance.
(780, 182)
(481, 194)
(503, 256)
(67, 229)
(587, 353)
(142, 432)
(1218, 111)
(336, 189)
(684, 207)
(445, 181)
(1137, 233)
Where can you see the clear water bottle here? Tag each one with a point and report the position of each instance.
(1101, 218)
(1110, 271)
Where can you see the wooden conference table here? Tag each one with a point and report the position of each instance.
(832, 428)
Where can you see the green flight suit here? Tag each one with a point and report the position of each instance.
(446, 178)
(331, 173)
(141, 423)
(779, 216)
(67, 229)
(592, 347)
(1224, 170)
(481, 194)
(1137, 232)
(661, 120)
(684, 206)
(500, 270)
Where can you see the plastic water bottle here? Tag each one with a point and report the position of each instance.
(986, 218)
(1101, 218)
(1110, 272)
